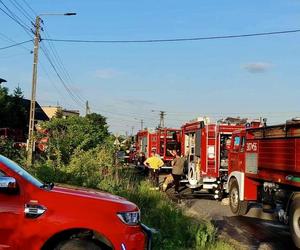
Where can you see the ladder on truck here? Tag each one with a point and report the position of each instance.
(212, 135)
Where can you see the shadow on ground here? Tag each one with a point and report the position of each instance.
(256, 230)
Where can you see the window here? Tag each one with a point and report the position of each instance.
(236, 144)
(2, 174)
(20, 171)
(242, 144)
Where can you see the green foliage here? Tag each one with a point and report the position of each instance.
(81, 152)
(74, 134)
(12, 111)
(175, 230)
(97, 166)
(8, 149)
(59, 113)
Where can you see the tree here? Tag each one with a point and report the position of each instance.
(59, 113)
(74, 134)
(18, 93)
(18, 117)
(12, 111)
(3, 105)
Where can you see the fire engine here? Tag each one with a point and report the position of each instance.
(264, 167)
(162, 140)
(14, 134)
(205, 146)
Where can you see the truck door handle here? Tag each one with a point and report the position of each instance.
(33, 211)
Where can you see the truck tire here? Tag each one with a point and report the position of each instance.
(237, 206)
(78, 244)
(294, 221)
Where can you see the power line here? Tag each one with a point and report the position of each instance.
(30, 8)
(14, 17)
(16, 44)
(6, 38)
(177, 39)
(75, 99)
(18, 20)
(61, 66)
(21, 10)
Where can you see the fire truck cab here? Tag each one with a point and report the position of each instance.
(205, 146)
(264, 167)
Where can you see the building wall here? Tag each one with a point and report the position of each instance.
(51, 111)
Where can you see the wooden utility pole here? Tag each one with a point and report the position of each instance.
(87, 108)
(30, 142)
(162, 119)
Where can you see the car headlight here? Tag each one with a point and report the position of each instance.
(130, 218)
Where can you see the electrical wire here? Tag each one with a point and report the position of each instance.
(14, 17)
(30, 8)
(61, 66)
(16, 44)
(75, 99)
(178, 39)
(18, 20)
(21, 10)
(6, 38)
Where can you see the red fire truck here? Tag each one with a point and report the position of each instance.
(161, 140)
(264, 167)
(14, 134)
(206, 147)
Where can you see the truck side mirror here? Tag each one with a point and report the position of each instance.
(8, 185)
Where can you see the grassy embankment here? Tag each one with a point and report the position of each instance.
(175, 229)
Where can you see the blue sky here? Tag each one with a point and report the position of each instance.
(250, 77)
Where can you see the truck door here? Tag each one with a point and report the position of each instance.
(234, 153)
(11, 217)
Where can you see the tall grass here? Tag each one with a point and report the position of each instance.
(175, 230)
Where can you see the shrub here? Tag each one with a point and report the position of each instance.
(8, 149)
(95, 169)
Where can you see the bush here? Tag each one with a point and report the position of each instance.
(95, 169)
(175, 230)
(8, 149)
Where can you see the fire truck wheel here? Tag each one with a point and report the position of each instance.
(294, 221)
(237, 206)
(78, 244)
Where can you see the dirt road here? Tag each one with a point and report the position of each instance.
(256, 230)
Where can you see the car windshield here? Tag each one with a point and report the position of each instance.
(20, 171)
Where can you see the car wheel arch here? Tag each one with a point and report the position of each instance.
(72, 233)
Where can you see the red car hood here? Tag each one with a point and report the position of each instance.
(90, 193)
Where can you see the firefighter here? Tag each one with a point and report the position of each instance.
(154, 164)
(177, 169)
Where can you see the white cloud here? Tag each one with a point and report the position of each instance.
(106, 73)
(257, 67)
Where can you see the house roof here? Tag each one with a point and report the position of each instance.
(40, 115)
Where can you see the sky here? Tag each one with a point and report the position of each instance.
(248, 77)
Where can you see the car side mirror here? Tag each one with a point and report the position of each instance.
(8, 185)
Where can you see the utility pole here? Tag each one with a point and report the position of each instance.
(37, 38)
(87, 108)
(162, 119)
(30, 142)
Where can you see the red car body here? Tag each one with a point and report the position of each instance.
(68, 212)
